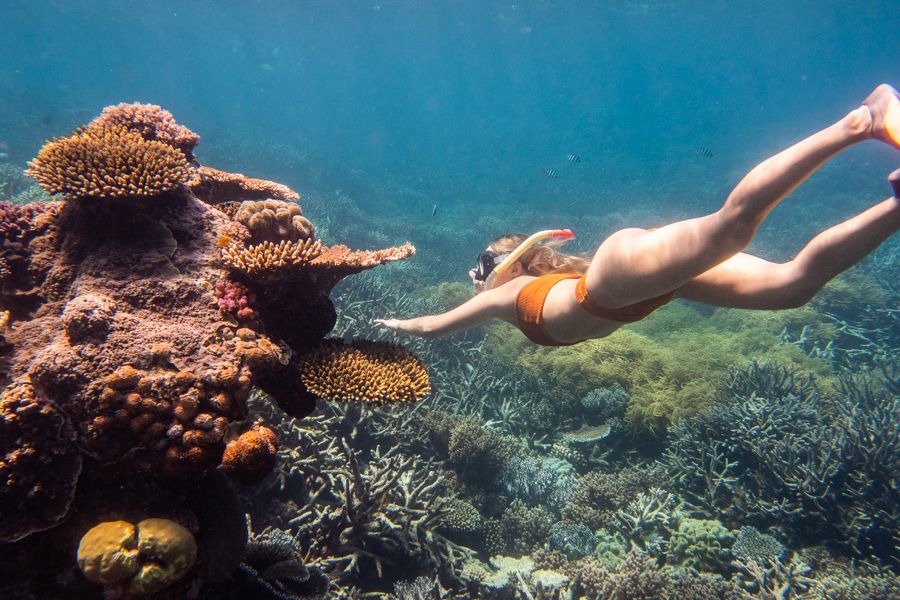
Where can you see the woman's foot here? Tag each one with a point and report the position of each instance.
(884, 108)
(894, 179)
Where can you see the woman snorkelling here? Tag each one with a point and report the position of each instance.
(557, 299)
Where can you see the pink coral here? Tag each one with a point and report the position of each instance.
(152, 122)
(236, 300)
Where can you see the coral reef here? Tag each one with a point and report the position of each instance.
(700, 544)
(127, 371)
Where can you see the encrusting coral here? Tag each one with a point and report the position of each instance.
(39, 464)
(129, 350)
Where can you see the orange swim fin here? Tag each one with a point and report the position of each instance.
(884, 107)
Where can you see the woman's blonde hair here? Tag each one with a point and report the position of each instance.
(542, 259)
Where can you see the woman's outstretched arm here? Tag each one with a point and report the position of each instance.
(491, 304)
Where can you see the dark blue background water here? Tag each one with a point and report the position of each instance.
(464, 104)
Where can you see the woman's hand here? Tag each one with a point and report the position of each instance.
(398, 325)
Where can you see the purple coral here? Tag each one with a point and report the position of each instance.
(236, 300)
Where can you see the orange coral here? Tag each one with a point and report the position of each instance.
(152, 122)
(100, 161)
(215, 186)
(274, 221)
(268, 259)
(374, 372)
(39, 463)
(172, 413)
(251, 456)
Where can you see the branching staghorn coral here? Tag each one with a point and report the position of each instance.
(648, 521)
(788, 454)
(361, 514)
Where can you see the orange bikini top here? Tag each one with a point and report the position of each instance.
(533, 295)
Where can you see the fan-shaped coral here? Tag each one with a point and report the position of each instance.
(100, 161)
(375, 372)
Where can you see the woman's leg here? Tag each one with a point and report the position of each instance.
(745, 281)
(633, 265)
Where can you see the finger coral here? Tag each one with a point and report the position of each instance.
(268, 259)
(152, 122)
(143, 558)
(374, 372)
(214, 187)
(274, 221)
(103, 162)
(251, 456)
(39, 463)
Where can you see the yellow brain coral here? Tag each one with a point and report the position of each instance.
(144, 558)
(375, 372)
(102, 161)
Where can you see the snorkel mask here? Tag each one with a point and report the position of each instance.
(490, 265)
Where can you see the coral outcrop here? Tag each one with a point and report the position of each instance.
(130, 344)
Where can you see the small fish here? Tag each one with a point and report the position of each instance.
(573, 158)
(434, 210)
(3, 155)
(551, 173)
(704, 151)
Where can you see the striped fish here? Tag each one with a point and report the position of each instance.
(551, 173)
(704, 151)
(573, 158)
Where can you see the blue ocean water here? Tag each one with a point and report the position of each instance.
(464, 105)
(449, 123)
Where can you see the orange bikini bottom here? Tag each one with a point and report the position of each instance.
(531, 298)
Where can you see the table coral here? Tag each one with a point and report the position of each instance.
(105, 162)
(375, 372)
(215, 186)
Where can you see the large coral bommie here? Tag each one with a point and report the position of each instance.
(131, 340)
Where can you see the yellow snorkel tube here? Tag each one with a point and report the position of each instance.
(540, 236)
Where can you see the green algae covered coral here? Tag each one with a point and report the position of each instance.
(701, 544)
(672, 364)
